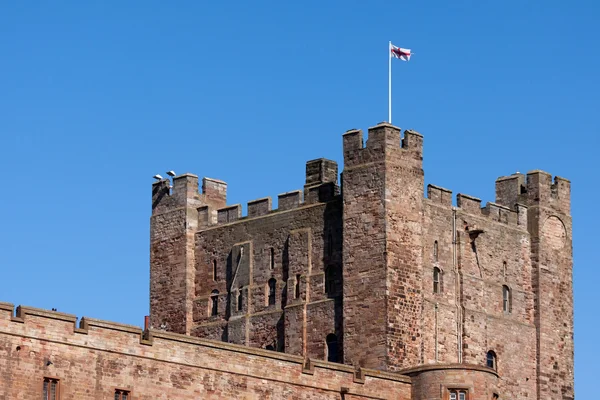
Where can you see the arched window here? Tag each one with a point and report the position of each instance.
(329, 280)
(272, 258)
(297, 288)
(506, 299)
(214, 270)
(436, 280)
(332, 348)
(214, 302)
(435, 250)
(272, 285)
(491, 360)
(240, 299)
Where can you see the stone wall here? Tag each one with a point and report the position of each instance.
(93, 361)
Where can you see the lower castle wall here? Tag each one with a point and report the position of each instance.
(93, 361)
(436, 382)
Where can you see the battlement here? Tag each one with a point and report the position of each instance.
(125, 345)
(383, 139)
(184, 193)
(472, 205)
(321, 186)
(535, 188)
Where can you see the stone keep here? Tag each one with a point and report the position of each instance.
(364, 290)
(374, 275)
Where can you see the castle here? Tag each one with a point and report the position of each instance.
(358, 290)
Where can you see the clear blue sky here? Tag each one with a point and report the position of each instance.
(96, 97)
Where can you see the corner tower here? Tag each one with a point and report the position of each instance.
(173, 224)
(550, 226)
(382, 231)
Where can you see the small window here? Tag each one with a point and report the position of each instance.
(491, 360)
(332, 348)
(458, 394)
(121, 394)
(436, 280)
(330, 245)
(240, 299)
(272, 259)
(214, 270)
(272, 285)
(504, 269)
(50, 389)
(435, 250)
(506, 299)
(297, 288)
(329, 280)
(214, 300)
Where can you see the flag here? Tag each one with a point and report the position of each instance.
(399, 52)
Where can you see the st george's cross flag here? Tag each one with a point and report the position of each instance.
(399, 52)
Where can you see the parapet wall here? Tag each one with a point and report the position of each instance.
(211, 204)
(94, 359)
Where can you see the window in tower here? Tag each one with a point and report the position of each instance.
(121, 394)
(272, 285)
(435, 251)
(297, 288)
(214, 302)
(458, 394)
(214, 270)
(332, 348)
(506, 299)
(436, 280)
(490, 361)
(50, 389)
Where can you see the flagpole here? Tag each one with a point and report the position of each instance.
(390, 82)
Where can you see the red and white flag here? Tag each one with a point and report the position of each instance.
(399, 52)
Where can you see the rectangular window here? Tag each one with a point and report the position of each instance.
(121, 394)
(50, 389)
(458, 394)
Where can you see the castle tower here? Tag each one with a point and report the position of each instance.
(173, 224)
(382, 195)
(550, 226)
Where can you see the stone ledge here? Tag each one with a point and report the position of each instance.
(438, 367)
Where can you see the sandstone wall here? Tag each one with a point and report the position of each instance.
(91, 362)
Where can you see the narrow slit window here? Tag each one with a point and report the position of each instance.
(329, 280)
(506, 299)
(272, 285)
(297, 288)
(435, 250)
(332, 348)
(214, 302)
(272, 258)
(504, 269)
(214, 270)
(491, 360)
(436, 280)
(240, 299)
(50, 389)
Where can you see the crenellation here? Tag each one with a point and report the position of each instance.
(439, 195)
(259, 207)
(374, 278)
(229, 214)
(468, 203)
(289, 200)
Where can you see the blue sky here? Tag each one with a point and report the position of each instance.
(96, 97)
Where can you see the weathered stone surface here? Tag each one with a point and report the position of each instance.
(371, 275)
